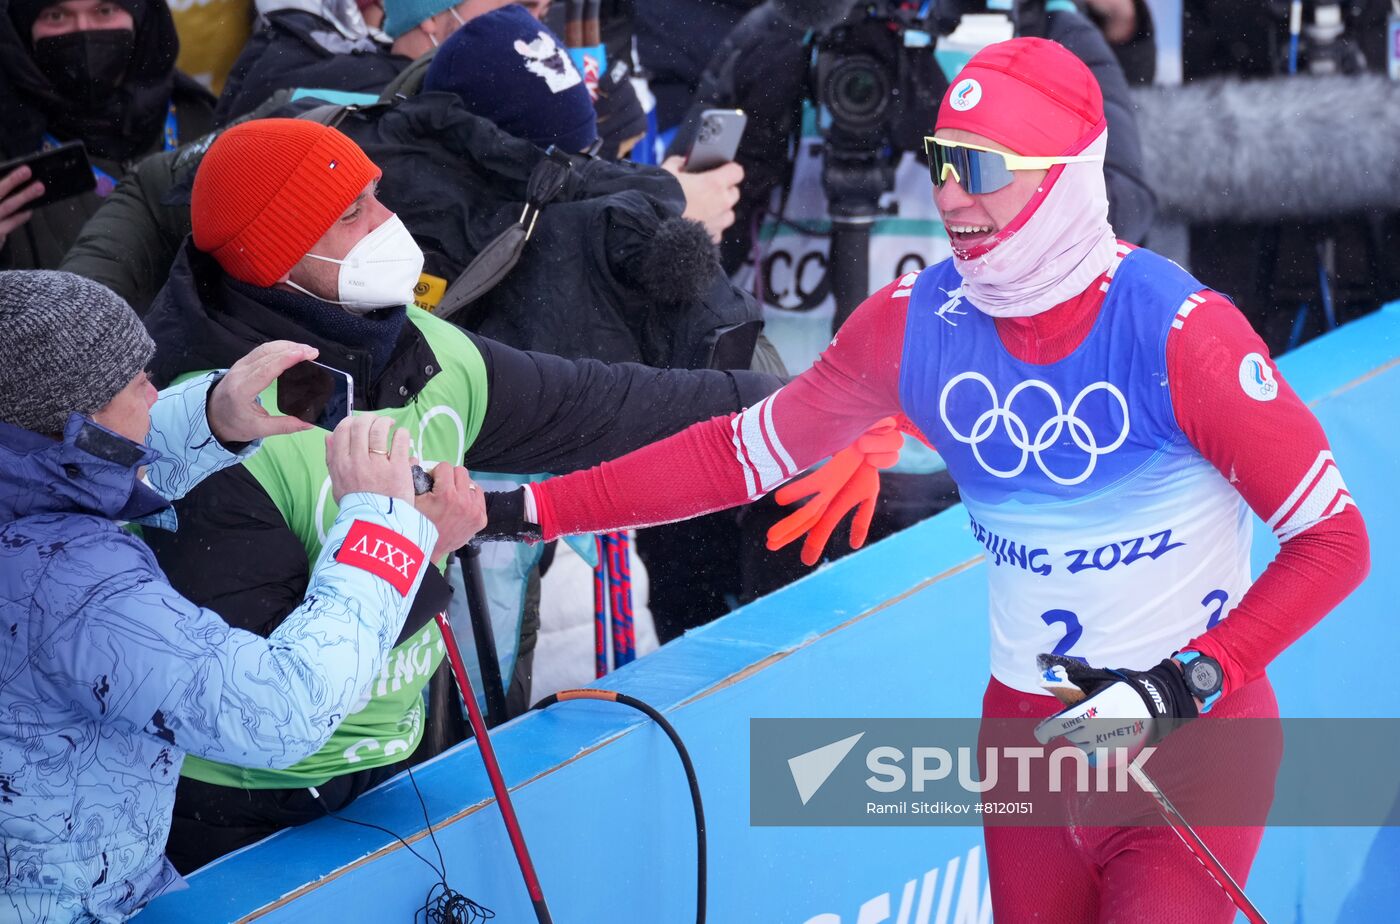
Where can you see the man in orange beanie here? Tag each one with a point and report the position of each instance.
(291, 242)
(1110, 424)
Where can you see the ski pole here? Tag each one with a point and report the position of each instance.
(493, 771)
(600, 608)
(1183, 830)
(483, 634)
(1198, 847)
(620, 593)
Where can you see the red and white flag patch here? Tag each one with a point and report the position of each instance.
(383, 553)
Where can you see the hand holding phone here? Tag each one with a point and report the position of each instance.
(315, 393)
(233, 411)
(17, 195)
(64, 172)
(710, 197)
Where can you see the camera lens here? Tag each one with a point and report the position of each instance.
(857, 91)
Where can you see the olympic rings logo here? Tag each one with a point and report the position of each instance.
(1046, 436)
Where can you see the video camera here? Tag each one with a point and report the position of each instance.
(876, 87)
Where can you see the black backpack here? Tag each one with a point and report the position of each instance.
(562, 253)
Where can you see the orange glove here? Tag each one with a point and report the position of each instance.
(850, 480)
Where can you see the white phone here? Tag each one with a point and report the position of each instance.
(717, 141)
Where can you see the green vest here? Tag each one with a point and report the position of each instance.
(443, 420)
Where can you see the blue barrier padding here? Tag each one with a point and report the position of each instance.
(897, 630)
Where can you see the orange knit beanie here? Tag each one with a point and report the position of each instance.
(267, 190)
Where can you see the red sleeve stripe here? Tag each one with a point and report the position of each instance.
(762, 456)
(383, 553)
(1322, 493)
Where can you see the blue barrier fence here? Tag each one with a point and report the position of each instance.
(896, 630)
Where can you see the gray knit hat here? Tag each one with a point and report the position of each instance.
(66, 344)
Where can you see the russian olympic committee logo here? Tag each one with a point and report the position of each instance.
(1046, 435)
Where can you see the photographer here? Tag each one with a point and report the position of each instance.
(762, 68)
(111, 676)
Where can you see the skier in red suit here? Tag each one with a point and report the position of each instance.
(1110, 422)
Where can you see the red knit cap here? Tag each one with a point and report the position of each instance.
(1032, 95)
(268, 189)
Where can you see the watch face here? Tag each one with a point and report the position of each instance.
(1203, 675)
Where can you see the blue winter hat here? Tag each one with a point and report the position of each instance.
(401, 16)
(509, 68)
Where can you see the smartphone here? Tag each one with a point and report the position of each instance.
(64, 171)
(734, 345)
(717, 140)
(316, 393)
(323, 396)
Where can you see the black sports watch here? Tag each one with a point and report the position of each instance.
(1203, 677)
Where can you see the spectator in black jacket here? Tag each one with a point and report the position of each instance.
(507, 67)
(325, 45)
(97, 71)
(290, 236)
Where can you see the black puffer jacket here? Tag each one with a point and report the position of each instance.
(762, 69)
(296, 48)
(117, 133)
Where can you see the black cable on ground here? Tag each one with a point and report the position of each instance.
(613, 696)
(444, 904)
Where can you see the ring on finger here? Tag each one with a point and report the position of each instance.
(380, 452)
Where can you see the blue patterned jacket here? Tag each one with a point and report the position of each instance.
(108, 677)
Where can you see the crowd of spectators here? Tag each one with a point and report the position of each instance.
(497, 239)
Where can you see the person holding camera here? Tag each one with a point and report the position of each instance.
(762, 67)
(112, 677)
(1110, 423)
(291, 241)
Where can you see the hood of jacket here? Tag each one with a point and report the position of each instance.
(200, 322)
(342, 15)
(123, 127)
(90, 471)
